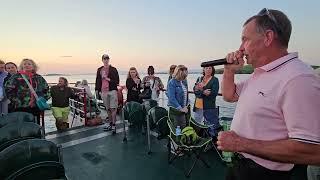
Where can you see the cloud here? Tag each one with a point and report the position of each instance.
(65, 56)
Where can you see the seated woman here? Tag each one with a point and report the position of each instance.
(92, 107)
(133, 84)
(84, 84)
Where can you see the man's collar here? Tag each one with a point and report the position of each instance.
(279, 62)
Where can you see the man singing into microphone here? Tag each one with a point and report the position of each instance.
(277, 119)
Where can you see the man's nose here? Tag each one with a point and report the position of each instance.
(241, 48)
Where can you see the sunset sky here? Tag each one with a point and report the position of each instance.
(69, 36)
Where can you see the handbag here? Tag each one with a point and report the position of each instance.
(40, 101)
(145, 94)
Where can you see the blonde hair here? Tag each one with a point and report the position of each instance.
(35, 66)
(180, 73)
(1, 61)
(132, 69)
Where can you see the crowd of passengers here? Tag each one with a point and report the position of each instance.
(206, 89)
(15, 94)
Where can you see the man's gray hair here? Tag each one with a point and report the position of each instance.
(282, 27)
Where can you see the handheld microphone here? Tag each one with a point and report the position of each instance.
(214, 62)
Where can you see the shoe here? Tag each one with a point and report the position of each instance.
(114, 131)
(59, 125)
(108, 128)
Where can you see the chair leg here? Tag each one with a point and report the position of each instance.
(200, 158)
(169, 150)
(172, 157)
(191, 168)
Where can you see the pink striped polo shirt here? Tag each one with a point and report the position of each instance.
(280, 100)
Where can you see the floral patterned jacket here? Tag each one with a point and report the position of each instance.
(19, 94)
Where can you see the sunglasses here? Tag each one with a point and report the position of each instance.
(267, 13)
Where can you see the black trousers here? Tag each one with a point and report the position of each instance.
(246, 169)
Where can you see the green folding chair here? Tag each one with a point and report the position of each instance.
(157, 120)
(203, 130)
(146, 106)
(179, 148)
(132, 112)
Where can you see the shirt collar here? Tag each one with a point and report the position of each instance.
(278, 62)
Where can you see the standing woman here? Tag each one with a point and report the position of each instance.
(206, 89)
(178, 93)
(19, 93)
(171, 70)
(133, 84)
(153, 82)
(3, 100)
(12, 69)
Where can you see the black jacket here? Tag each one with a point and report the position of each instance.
(133, 95)
(114, 79)
(60, 98)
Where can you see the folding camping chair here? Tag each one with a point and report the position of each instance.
(157, 119)
(196, 148)
(133, 112)
(203, 130)
(146, 106)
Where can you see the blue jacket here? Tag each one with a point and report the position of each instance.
(175, 93)
(3, 75)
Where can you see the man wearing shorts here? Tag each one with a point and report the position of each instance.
(60, 94)
(107, 81)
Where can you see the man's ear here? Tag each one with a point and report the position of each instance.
(269, 37)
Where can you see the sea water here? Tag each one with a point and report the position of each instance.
(226, 109)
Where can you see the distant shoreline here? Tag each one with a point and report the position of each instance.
(247, 69)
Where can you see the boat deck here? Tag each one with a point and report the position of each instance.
(91, 153)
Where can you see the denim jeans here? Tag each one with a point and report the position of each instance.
(211, 117)
(198, 115)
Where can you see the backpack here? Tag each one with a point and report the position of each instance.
(189, 136)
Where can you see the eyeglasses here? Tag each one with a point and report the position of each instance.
(266, 12)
